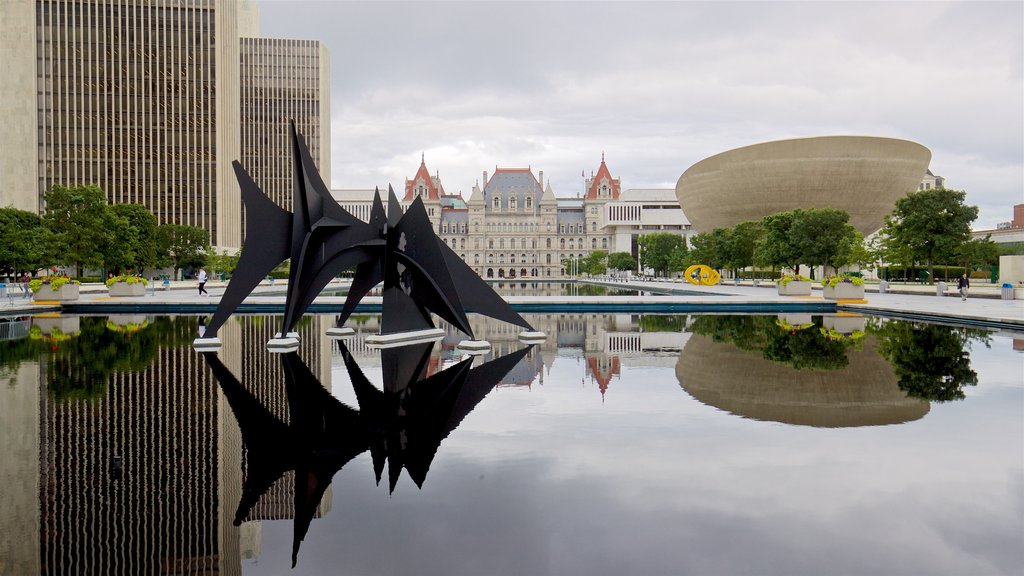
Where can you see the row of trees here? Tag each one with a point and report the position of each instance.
(928, 226)
(80, 230)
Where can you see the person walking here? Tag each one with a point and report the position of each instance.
(962, 284)
(26, 291)
(202, 282)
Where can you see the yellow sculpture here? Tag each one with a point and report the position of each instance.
(705, 275)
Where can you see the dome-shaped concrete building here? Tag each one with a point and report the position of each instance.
(863, 175)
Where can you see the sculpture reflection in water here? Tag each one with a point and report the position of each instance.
(402, 425)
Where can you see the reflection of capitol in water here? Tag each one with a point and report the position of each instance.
(742, 382)
(144, 478)
(604, 342)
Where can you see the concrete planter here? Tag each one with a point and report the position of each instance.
(65, 293)
(795, 288)
(124, 289)
(843, 291)
(845, 324)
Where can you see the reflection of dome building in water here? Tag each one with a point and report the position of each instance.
(862, 175)
(744, 383)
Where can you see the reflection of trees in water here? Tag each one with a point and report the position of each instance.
(803, 349)
(931, 361)
(80, 368)
(663, 322)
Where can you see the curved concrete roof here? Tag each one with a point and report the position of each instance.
(743, 382)
(863, 175)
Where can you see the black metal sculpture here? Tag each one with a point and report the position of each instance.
(402, 425)
(420, 273)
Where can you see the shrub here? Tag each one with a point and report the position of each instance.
(787, 278)
(127, 279)
(54, 282)
(835, 280)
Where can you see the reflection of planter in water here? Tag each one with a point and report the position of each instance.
(795, 321)
(843, 291)
(127, 322)
(794, 288)
(65, 293)
(844, 324)
(69, 325)
(864, 393)
(124, 289)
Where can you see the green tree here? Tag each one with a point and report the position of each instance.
(978, 252)
(78, 218)
(930, 225)
(741, 244)
(226, 262)
(820, 236)
(137, 242)
(621, 261)
(182, 246)
(660, 251)
(709, 248)
(596, 263)
(25, 242)
(776, 247)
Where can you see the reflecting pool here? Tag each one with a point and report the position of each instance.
(623, 444)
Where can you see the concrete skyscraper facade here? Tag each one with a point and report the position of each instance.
(144, 100)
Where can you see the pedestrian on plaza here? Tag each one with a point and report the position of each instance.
(202, 282)
(25, 279)
(962, 284)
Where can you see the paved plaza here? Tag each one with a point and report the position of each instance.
(907, 301)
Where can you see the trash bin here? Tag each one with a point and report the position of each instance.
(940, 288)
(1007, 292)
(883, 286)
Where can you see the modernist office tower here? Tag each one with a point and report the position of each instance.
(143, 99)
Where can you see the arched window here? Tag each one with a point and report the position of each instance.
(497, 202)
(549, 258)
(490, 244)
(561, 243)
(593, 243)
(501, 243)
(522, 260)
(522, 272)
(529, 202)
(593, 226)
(604, 243)
(512, 203)
(476, 259)
(490, 272)
(549, 242)
(462, 243)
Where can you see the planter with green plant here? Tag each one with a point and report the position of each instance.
(54, 289)
(794, 285)
(843, 288)
(126, 286)
(845, 323)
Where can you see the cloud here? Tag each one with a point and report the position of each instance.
(658, 86)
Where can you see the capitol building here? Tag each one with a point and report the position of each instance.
(513, 226)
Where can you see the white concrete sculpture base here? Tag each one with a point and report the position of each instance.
(280, 345)
(404, 338)
(206, 344)
(534, 336)
(474, 345)
(340, 332)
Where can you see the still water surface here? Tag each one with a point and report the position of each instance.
(623, 444)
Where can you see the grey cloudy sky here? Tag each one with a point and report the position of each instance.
(658, 86)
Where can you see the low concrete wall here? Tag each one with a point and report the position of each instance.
(1011, 269)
